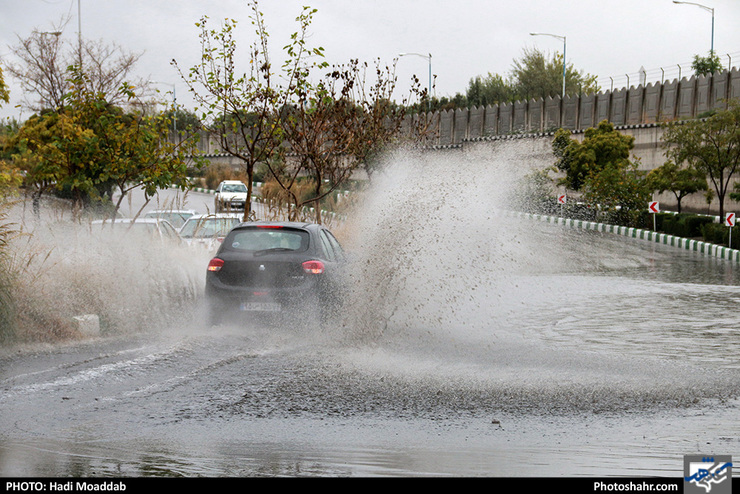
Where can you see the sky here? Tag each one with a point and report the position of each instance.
(613, 40)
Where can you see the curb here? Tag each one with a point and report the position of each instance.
(202, 190)
(710, 249)
(256, 198)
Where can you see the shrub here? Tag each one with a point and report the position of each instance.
(7, 306)
(694, 224)
(215, 174)
(660, 219)
(719, 234)
(685, 224)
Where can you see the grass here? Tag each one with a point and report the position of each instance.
(7, 303)
(57, 268)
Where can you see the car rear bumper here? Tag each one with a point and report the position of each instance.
(233, 204)
(262, 300)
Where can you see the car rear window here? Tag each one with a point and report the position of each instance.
(234, 188)
(208, 227)
(175, 219)
(266, 239)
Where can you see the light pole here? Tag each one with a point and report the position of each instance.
(558, 37)
(79, 33)
(429, 58)
(708, 9)
(174, 102)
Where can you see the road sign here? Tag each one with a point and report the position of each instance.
(562, 198)
(730, 219)
(654, 207)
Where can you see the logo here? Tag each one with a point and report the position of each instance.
(703, 474)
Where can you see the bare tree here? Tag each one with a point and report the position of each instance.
(43, 62)
(340, 125)
(383, 121)
(237, 109)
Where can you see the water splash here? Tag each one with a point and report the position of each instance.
(452, 293)
(68, 267)
(433, 245)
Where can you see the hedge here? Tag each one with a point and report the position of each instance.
(685, 224)
(719, 234)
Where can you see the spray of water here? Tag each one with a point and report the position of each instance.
(66, 268)
(441, 283)
(433, 244)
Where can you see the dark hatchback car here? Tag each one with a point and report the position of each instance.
(275, 268)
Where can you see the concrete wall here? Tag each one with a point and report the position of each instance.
(654, 103)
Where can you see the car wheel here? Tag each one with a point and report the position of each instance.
(214, 313)
(313, 313)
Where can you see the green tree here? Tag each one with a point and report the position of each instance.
(182, 120)
(706, 65)
(601, 146)
(534, 75)
(489, 90)
(710, 145)
(10, 178)
(680, 181)
(618, 190)
(56, 154)
(89, 147)
(331, 122)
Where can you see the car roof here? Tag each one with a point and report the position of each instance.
(232, 182)
(164, 211)
(287, 224)
(215, 215)
(130, 220)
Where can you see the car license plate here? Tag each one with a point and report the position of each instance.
(260, 306)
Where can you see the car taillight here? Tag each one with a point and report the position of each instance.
(313, 267)
(216, 264)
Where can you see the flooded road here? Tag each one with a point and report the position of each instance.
(471, 344)
(613, 366)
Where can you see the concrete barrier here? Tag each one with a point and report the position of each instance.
(707, 248)
(88, 324)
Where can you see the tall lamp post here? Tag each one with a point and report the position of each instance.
(708, 9)
(558, 37)
(79, 33)
(429, 58)
(174, 102)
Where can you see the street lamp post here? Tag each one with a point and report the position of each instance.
(79, 33)
(429, 58)
(708, 9)
(558, 37)
(174, 103)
